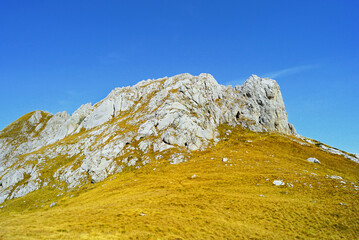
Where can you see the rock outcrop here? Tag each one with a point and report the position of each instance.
(166, 117)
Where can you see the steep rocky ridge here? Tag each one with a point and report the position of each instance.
(165, 118)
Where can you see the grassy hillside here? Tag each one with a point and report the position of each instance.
(204, 198)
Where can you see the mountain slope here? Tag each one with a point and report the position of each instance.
(205, 197)
(175, 158)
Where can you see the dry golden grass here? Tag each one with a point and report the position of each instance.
(222, 201)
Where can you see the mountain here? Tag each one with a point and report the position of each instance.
(130, 127)
(214, 131)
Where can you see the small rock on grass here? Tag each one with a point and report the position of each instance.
(278, 183)
(313, 160)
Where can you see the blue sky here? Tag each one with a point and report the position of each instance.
(57, 55)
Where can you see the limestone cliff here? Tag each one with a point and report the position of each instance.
(163, 118)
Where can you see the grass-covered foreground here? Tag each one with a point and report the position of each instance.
(204, 198)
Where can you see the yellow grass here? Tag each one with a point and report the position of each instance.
(164, 201)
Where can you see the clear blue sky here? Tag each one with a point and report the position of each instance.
(57, 55)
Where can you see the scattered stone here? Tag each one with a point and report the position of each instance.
(334, 177)
(194, 176)
(224, 159)
(177, 158)
(52, 204)
(142, 214)
(353, 157)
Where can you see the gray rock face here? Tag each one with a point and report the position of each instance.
(265, 105)
(163, 115)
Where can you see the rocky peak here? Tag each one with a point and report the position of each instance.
(167, 116)
(265, 96)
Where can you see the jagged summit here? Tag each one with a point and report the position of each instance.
(131, 127)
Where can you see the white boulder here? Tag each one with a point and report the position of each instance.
(313, 160)
(278, 183)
